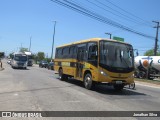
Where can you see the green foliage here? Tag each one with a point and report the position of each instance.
(48, 59)
(40, 56)
(1, 54)
(11, 56)
(151, 53)
(35, 58)
(23, 49)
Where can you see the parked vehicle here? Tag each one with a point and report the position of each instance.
(9, 61)
(147, 67)
(19, 60)
(51, 66)
(43, 64)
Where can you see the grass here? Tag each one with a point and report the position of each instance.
(157, 82)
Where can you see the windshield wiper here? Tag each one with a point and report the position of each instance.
(124, 61)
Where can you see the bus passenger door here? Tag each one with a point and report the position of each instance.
(93, 54)
(80, 59)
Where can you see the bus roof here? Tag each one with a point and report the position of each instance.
(18, 53)
(28, 53)
(91, 40)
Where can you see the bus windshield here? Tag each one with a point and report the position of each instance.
(116, 55)
(20, 58)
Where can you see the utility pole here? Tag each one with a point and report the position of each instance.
(30, 43)
(156, 39)
(53, 39)
(109, 35)
(20, 48)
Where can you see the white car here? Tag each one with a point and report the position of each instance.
(9, 61)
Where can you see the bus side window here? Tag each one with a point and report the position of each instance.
(56, 55)
(72, 52)
(93, 52)
(65, 52)
(59, 53)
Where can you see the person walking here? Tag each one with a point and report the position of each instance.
(0, 63)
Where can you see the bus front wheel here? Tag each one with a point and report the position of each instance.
(88, 83)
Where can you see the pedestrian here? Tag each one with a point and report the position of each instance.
(0, 63)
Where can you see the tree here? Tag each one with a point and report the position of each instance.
(151, 53)
(23, 49)
(35, 58)
(48, 59)
(40, 56)
(1, 54)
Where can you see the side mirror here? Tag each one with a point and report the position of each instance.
(137, 53)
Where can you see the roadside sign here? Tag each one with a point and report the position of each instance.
(118, 39)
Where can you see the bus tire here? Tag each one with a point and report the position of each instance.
(118, 87)
(88, 83)
(61, 75)
(132, 85)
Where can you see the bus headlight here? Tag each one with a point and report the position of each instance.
(103, 73)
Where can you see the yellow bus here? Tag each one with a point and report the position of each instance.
(96, 60)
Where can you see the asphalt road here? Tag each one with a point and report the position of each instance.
(39, 89)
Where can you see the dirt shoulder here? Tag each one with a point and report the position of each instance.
(155, 82)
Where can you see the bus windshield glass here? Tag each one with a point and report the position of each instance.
(116, 55)
(20, 57)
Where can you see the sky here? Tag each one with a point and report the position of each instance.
(21, 20)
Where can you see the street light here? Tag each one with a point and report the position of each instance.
(53, 39)
(109, 35)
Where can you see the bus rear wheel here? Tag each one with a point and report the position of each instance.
(61, 75)
(88, 83)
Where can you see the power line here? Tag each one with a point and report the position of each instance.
(93, 15)
(92, 8)
(146, 22)
(115, 12)
(120, 14)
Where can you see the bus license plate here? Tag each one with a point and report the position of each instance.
(118, 82)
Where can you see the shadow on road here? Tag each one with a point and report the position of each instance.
(105, 89)
(33, 90)
(21, 69)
